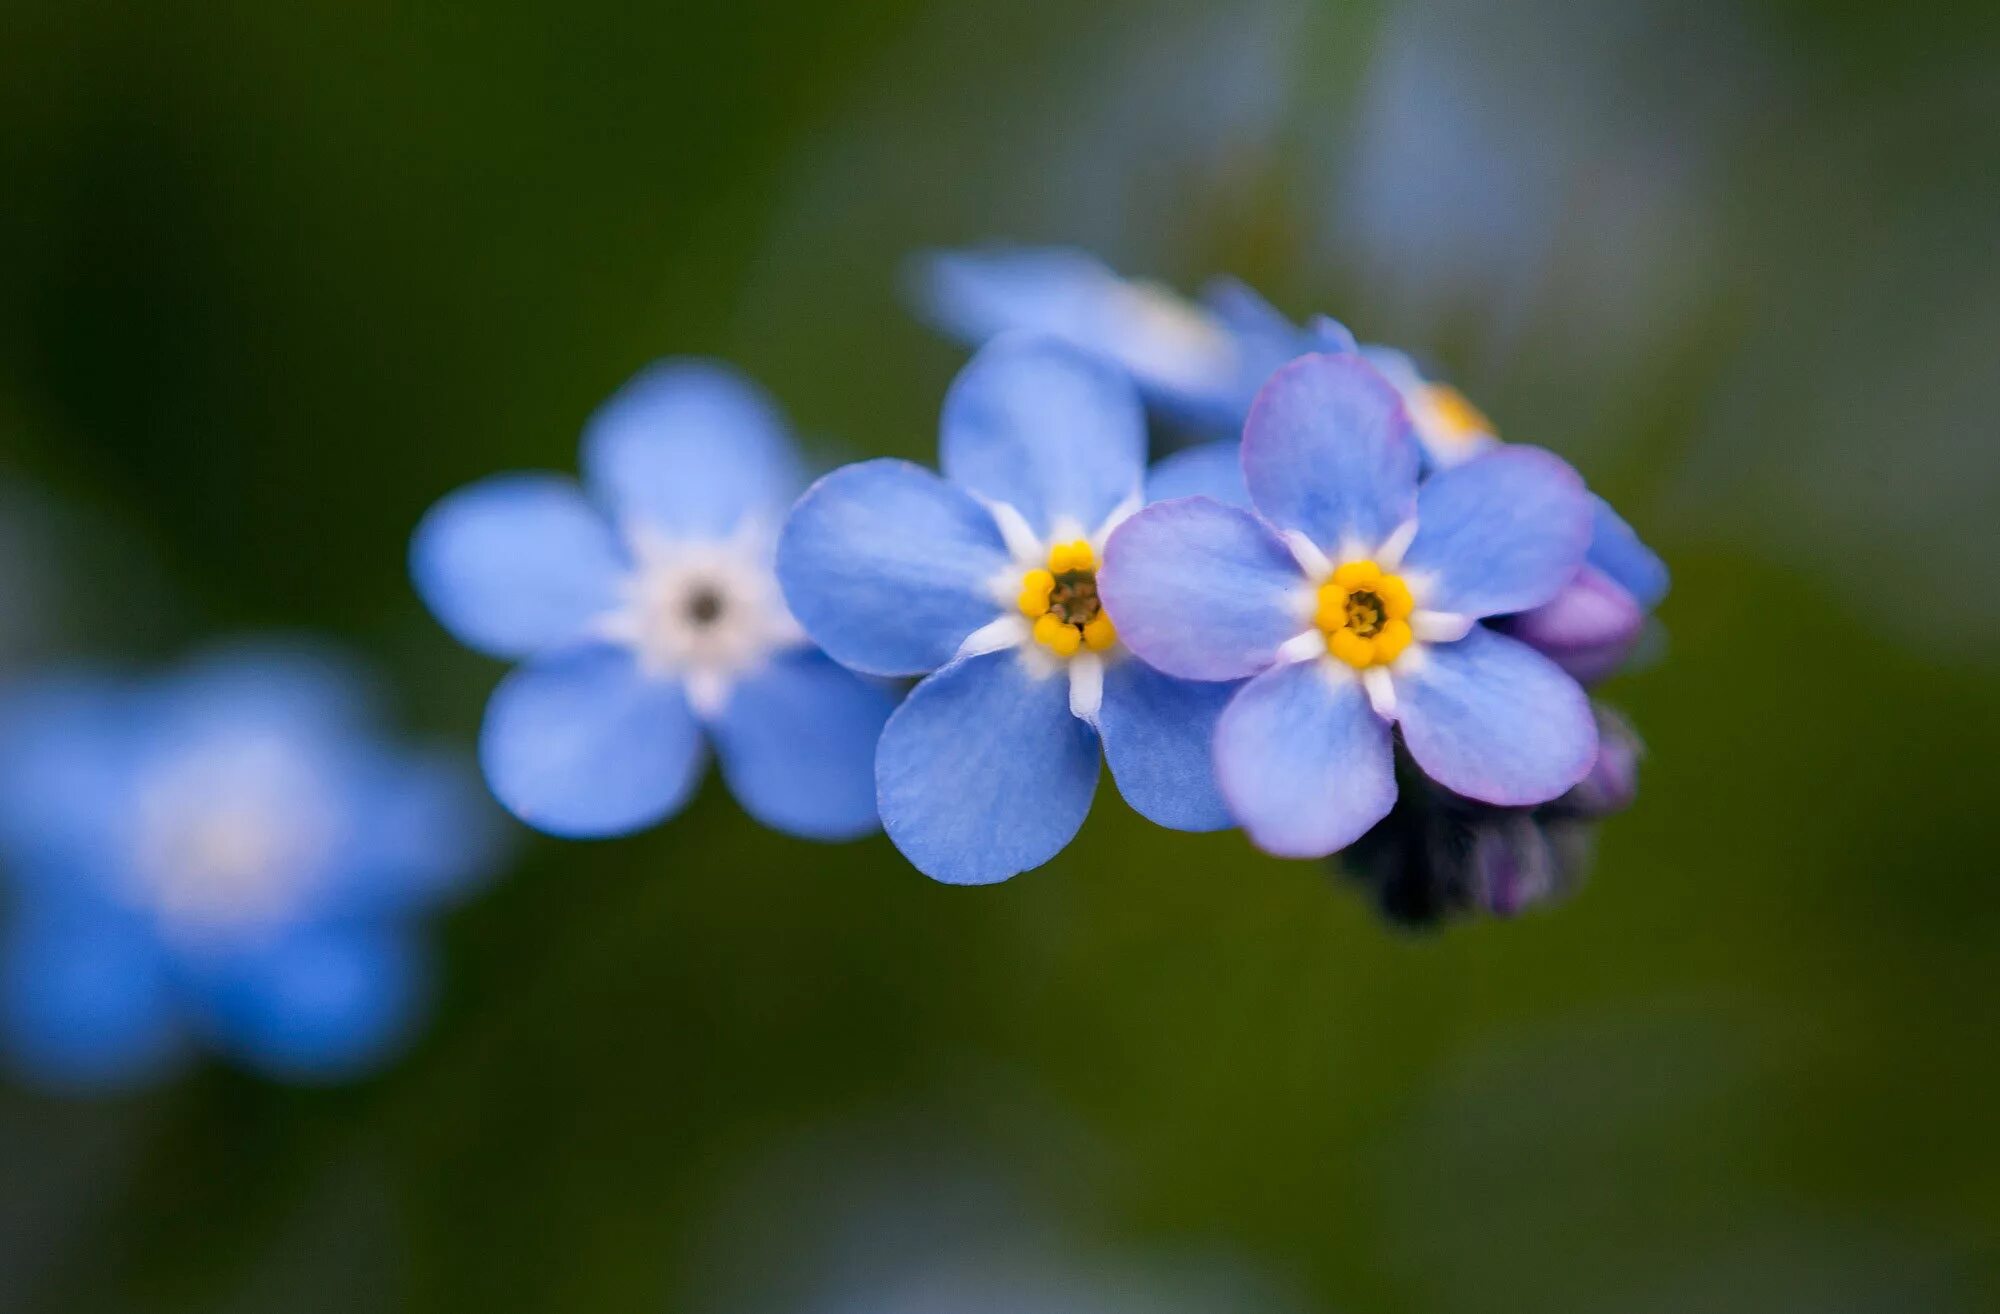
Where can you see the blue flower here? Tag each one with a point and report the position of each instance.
(1353, 597)
(227, 855)
(984, 582)
(647, 617)
(1199, 364)
(1591, 626)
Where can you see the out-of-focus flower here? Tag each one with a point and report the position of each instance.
(1355, 602)
(227, 855)
(1592, 625)
(1438, 856)
(1199, 363)
(648, 618)
(985, 582)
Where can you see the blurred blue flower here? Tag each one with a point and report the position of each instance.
(1353, 596)
(985, 582)
(1593, 624)
(1198, 363)
(227, 855)
(644, 607)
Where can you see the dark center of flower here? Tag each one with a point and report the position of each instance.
(1073, 600)
(704, 605)
(1365, 613)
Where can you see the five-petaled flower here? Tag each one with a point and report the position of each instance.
(1355, 598)
(985, 582)
(227, 854)
(649, 617)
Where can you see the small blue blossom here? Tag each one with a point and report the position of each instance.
(1352, 600)
(228, 855)
(1198, 363)
(984, 582)
(645, 611)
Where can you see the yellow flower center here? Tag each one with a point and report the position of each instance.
(1062, 602)
(1458, 418)
(1365, 615)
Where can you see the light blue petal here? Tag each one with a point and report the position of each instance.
(68, 748)
(1303, 760)
(293, 686)
(1327, 450)
(691, 448)
(888, 567)
(1056, 434)
(583, 744)
(516, 564)
(1201, 590)
(1183, 358)
(1212, 469)
(797, 742)
(983, 773)
(87, 999)
(1588, 629)
(323, 1003)
(1494, 720)
(1616, 550)
(1329, 336)
(1502, 532)
(1159, 739)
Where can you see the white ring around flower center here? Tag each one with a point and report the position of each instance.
(705, 612)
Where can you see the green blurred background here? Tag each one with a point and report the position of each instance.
(275, 277)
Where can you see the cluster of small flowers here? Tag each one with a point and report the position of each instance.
(1358, 584)
(1357, 619)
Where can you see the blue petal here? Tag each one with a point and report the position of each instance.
(584, 744)
(515, 564)
(1201, 590)
(1494, 720)
(1182, 357)
(888, 567)
(1327, 450)
(87, 1000)
(691, 448)
(983, 772)
(287, 685)
(1616, 550)
(1056, 434)
(322, 1003)
(797, 742)
(1502, 532)
(1159, 738)
(1305, 763)
(68, 749)
(1209, 470)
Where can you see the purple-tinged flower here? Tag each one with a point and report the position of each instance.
(1199, 363)
(984, 582)
(1354, 598)
(647, 615)
(228, 855)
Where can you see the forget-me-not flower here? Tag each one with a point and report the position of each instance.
(648, 619)
(1199, 363)
(985, 582)
(1355, 598)
(1591, 626)
(229, 855)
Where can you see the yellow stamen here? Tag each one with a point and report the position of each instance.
(1059, 638)
(1364, 613)
(1100, 634)
(1458, 417)
(1036, 586)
